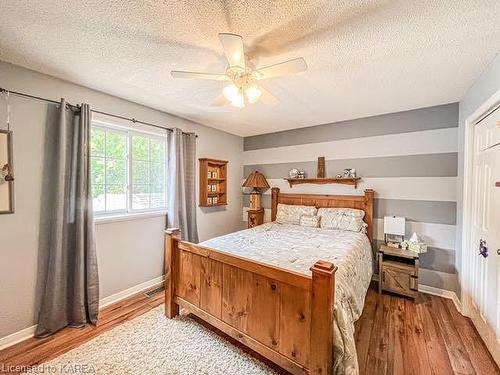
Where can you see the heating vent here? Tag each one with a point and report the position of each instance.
(153, 292)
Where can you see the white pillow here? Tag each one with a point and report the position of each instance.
(291, 213)
(310, 221)
(354, 212)
(349, 219)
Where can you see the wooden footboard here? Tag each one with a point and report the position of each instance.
(285, 316)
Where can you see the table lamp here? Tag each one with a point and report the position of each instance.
(256, 180)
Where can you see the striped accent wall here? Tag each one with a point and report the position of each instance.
(409, 158)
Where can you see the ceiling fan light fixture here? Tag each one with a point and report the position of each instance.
(242, 76)
(238, 101)
(231, 92)
(253, 93)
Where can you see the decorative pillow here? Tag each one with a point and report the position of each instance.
(310, 221)
(342, 218)
(344, 211)
(291, 213)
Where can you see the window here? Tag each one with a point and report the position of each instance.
(128, 170)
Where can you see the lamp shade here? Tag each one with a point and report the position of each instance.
(256, 180)
(394, 225)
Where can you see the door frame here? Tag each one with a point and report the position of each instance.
(466, 271)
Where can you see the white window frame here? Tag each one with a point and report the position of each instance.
(130, 176)
(105, 216)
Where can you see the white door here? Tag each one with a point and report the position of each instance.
(485, 237)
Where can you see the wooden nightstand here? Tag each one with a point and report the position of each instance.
(255, 217)
(398, 271)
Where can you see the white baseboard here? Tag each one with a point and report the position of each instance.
(106, 301)
(442, 293)
(29, 332)
(17, 337)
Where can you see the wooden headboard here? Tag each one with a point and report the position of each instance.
(361, 202)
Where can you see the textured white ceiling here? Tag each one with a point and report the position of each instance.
(364, 57)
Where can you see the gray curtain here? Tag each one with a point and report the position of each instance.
(70, 286)
(181, 184)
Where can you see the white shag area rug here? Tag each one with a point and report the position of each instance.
(152, 344)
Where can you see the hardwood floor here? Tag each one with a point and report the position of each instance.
(33, 351)
(393, 336)
(398, 336)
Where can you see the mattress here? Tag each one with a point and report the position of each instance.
(297, 248)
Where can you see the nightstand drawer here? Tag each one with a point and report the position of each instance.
(399, 280)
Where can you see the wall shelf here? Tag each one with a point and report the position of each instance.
(213, 182)
(327, 180)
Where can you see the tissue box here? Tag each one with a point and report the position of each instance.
(418, 247)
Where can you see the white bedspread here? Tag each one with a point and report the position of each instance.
(297, 248)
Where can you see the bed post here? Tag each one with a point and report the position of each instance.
(274, 202)
(322, 302)
(172, 236)
(369, 194)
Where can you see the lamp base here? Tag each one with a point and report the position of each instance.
(255, 200)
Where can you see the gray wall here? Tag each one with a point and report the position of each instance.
(482, 89)
(409, 158)
(129, 252)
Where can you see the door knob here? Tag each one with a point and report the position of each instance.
(483, 249)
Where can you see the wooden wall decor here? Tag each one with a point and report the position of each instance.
(327, 180)
(321, 173)
(213, 182)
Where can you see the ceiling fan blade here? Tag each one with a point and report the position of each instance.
(219, 101)
(233, 48)
(267, 97)
(288, 67)
(198, 75)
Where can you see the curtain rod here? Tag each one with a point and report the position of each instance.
(131, 119)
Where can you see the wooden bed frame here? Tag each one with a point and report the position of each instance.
(285, 316)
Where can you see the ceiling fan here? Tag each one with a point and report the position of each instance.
(243, 88)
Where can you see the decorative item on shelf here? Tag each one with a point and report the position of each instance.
(339, 176)
(394, 230)
(214, 188)
(302, 174)
(209, 200)
(209, 174)
(214, 200)
(321, 173)
(256, 180)
(416, 245)
(215, 174)
(349, 173)
(293, 173)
